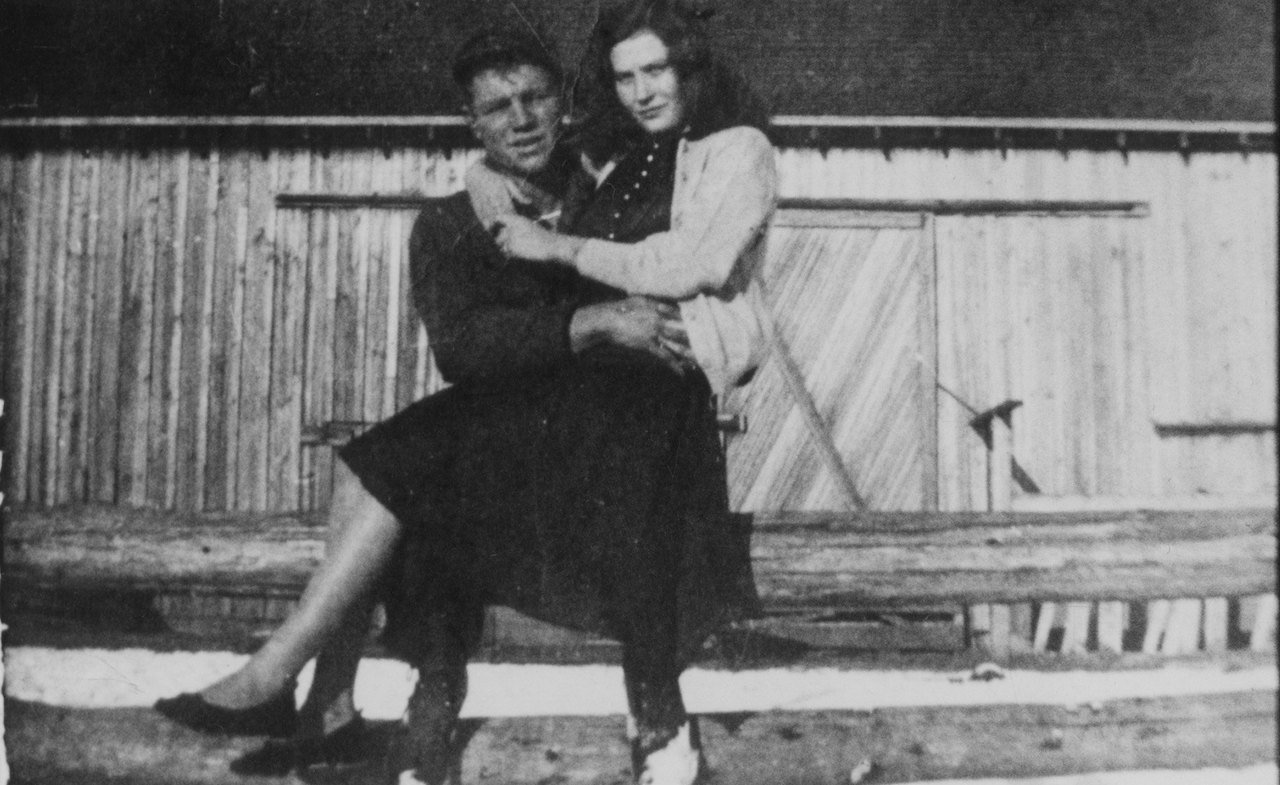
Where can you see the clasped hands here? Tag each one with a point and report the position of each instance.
(639, 323)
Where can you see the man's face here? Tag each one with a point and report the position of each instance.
(515, 113)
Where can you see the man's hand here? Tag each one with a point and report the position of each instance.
(519, 238)
(637, 323)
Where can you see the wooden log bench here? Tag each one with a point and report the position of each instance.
(807, 565)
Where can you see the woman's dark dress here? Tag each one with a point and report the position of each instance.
(587, 490)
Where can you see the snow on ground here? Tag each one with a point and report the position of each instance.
(1261, 774)
(97, 678)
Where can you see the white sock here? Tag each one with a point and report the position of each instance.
(674, 764)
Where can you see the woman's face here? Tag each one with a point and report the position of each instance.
(647, 83)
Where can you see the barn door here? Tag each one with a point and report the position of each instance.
(1046, 309)
(851, 296)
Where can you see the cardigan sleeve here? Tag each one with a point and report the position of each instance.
(724, 216)
(479, 330)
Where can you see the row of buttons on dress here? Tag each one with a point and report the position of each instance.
(635, 187)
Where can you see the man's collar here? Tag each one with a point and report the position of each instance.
(494, 194)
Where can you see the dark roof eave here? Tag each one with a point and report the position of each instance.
(787, 130)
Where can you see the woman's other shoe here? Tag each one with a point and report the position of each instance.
(350, 745)
(275, 717)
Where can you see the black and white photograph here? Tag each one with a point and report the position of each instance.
(638, 392)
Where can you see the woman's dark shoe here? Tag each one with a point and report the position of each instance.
(349, 745)
(275, 717)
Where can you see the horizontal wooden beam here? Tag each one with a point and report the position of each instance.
(801, 560)
(1220, 428)
(781, 121)
(1081, 207)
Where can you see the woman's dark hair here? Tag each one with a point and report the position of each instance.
(715, 96)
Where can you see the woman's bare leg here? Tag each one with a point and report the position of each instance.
(362, 537)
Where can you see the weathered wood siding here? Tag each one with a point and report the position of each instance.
(1143, 347)
(168, 330)
(851, 296)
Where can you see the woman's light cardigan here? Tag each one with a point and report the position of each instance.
(726, 190)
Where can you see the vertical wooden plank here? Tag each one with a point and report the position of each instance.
(25, 244)
(287, 347)
(88, 424)
(1044, 626)
(166, 344)
(10, 268)
(395, 260)
(980, 626)
(200, 257)
(1021, 633)
(1157, 620)
(1215, 624)
(1262, 637)
(1111, 626)
(376, 292)
(75, 354)
(927, 343)
(54, 207)
(1000, 642)
(255, 359)
(349, 303)
(1182, 634)
(322, 256)
(136, 330)
(113, 229)
(224, 340)
(1075, 631)
(961, 370)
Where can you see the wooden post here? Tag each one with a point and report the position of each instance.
(1044, 626)
(1111, 626)
(1263, 635)
(1000, 629)
(1075, 631)
(1183, 632)
(1157, 619)
(1215, 624)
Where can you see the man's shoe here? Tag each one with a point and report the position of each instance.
(678, 762)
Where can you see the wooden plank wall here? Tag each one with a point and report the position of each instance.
(1193, 323)
(168, 330)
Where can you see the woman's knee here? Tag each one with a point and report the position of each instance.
(351, 499)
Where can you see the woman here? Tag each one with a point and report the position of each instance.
(611, 514)
(671, 105)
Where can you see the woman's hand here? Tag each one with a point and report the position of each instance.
(519, 238)
(637, 323)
